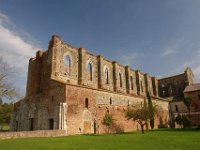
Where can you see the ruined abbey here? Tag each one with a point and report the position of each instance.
(70, 89)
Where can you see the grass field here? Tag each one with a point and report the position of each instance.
(152, 140)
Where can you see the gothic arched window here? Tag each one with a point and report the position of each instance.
(131, 80)
(68, 64)
(120, 79)
(89, 71)
(106, 75)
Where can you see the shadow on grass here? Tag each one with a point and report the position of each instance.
(121, 133)
(195, 129)
(176, 129)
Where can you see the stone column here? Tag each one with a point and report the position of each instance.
(127, 74)
(62, 116)
(99, 59)
(114, 63)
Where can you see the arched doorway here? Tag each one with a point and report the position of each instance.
(87, 122)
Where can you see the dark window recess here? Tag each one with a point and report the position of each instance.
(110, 101)
(120, 79)
(86, 103)
(131, 79)
(51, 124)
(31, 124)
(90, 72)
(176, 107)
(106, 75)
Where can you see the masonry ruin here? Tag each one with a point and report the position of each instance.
(71, 89)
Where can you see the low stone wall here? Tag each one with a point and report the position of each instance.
(27, 134)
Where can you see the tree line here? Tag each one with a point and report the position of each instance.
(8, 92)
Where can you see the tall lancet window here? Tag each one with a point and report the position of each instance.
(120, 79)
(68, 64)
(131, 80)
(106, 76)
(89, 71)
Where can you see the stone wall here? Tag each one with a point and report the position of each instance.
(195, 96)
(100, 102)
(71, 89)
(174, 86)
(29, 134)
(118, 75)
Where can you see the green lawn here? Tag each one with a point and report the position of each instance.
(152, 140)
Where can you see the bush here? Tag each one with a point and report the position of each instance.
(108, 121)
(184, 121)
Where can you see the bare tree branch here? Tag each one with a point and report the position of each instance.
(7, 89)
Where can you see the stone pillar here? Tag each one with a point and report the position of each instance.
(99, 59)
(62, 116)
(127, 75)
(148, 84)
(155, 86)
(53, 54)
(115, 75)
(137, 74)
(81, 52)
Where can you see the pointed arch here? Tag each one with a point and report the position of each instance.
(131, 82)
(106, 75)
(67, 61)
(89, 67)
(120, 79)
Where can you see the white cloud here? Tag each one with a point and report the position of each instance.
(15, 49)
(168, 51)
(4, 19)
(130, 58)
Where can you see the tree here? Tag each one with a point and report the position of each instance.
(7, 89)
(151, 111)
(108, 121)
(179, 120)
(5, 113)
(188, 102)
(139, 114)
(184, 121)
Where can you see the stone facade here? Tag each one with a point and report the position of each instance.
(175, 88)
(71, 89)
(193, 92)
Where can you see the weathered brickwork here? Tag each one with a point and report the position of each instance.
(71, 89)
(176, 88)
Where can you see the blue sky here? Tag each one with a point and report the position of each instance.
(160, 37)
